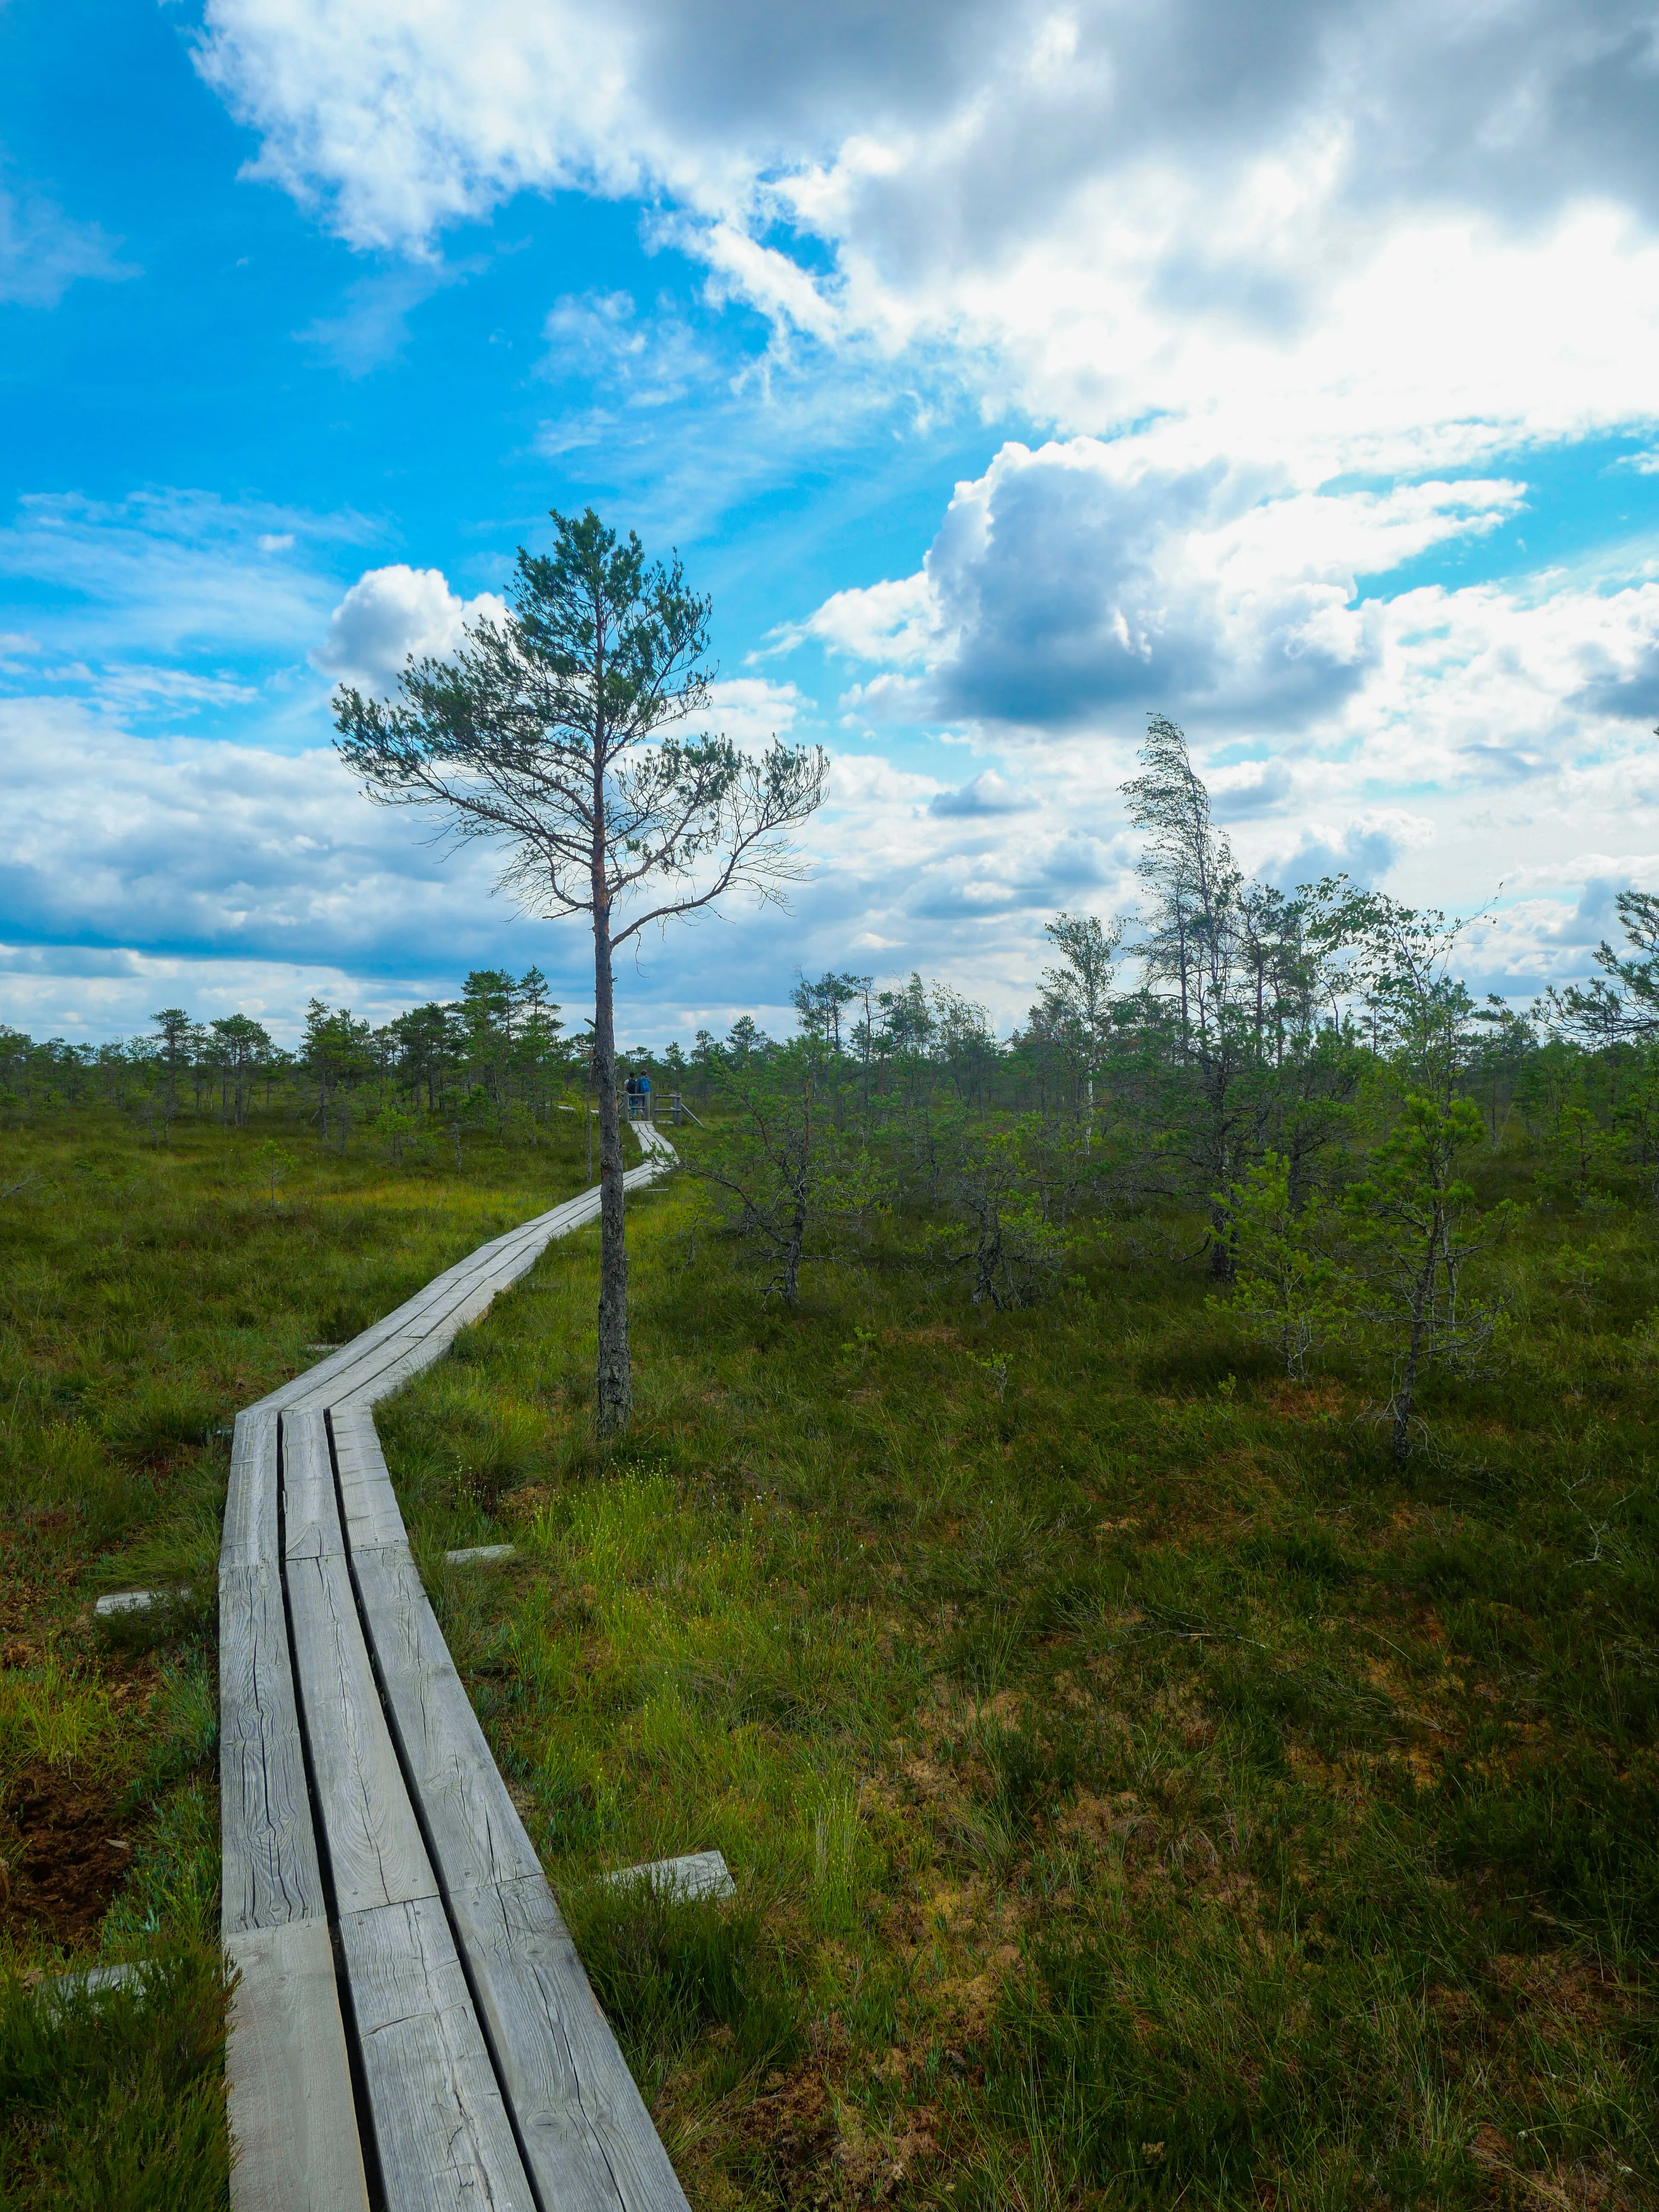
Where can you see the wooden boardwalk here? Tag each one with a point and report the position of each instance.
(412, 2028)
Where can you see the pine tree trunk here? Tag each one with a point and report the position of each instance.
(615, 1394)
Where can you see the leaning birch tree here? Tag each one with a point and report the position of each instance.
(561, 733)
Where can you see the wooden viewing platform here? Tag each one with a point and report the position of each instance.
(412, 2028)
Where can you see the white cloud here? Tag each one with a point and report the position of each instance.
(391, 615)
(1089, 576)
(751, 711)
(1399, 238)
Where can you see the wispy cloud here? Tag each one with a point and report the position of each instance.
(43, 252)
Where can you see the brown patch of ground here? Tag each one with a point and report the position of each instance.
(819, 2151)
(1307, 1401)
(63, 1857)
(519, 1508)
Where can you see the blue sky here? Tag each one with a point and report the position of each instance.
(1005, 372)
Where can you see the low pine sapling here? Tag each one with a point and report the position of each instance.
(1287, 1286)
(1408, 1218)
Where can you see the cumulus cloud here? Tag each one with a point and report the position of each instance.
(172, 845)
(1364, 851)
(986, 793)
(1404, 235)
(391, 614)
(1085, 578)
(751, 710)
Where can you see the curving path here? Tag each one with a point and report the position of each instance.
(412, 2027)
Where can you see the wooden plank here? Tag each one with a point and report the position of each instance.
(311, 1515)
(367, 1498)
(359, 1366)
(587, 2138)
(268, 1848)
(409, 1316)
(292, 2118)
(441, 2132)
(117, 1602)
(375, 1855)
(471, 1825)
(694, 1874)
(394, 1375)
(250, 1534)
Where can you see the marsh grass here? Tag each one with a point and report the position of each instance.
(147, 1293)
(1140, 1791)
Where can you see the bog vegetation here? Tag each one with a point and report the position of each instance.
(1137, 1540)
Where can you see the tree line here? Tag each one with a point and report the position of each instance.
(498, 1056)
(1295, 1090)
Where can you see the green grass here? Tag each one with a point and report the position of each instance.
(145, 1295)
(1140, 1790)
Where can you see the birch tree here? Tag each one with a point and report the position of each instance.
(562, 733)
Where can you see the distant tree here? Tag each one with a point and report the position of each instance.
(240, 1048)
(1287, 1288)
(425, 1045)
(820, 1004)
(553, 731)
(536, 1049)
(773, 1159)
(1077, 993)
(1410, 1215)
(176, 1027)
(335, 1056)
(1198, 972)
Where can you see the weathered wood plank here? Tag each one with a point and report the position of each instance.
(293, 2120)
(268, 1847)
(311, 1515)
(367, 1498)
(413, 1316)
(375, 1854)
(358, 1366)
(587, 2138)
(117, 1602)
(441, 2132)
(694, 1874)
(472, 1824)
(444, 2136)
(431, 1318)
(250, 1533)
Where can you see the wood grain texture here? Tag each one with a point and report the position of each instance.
(474, 1831)
(418, 1331)
(375, 1854)
(441, 2131)
(587, 2138)
(693, 1874)
(443, 2134)
(367, 1500)
(268, 1847)
(311, 1515)
(293, 2120)
(250, 1533)
(357, 1369)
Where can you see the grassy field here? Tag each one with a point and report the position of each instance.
(1140, 1791)
(146, 1293)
